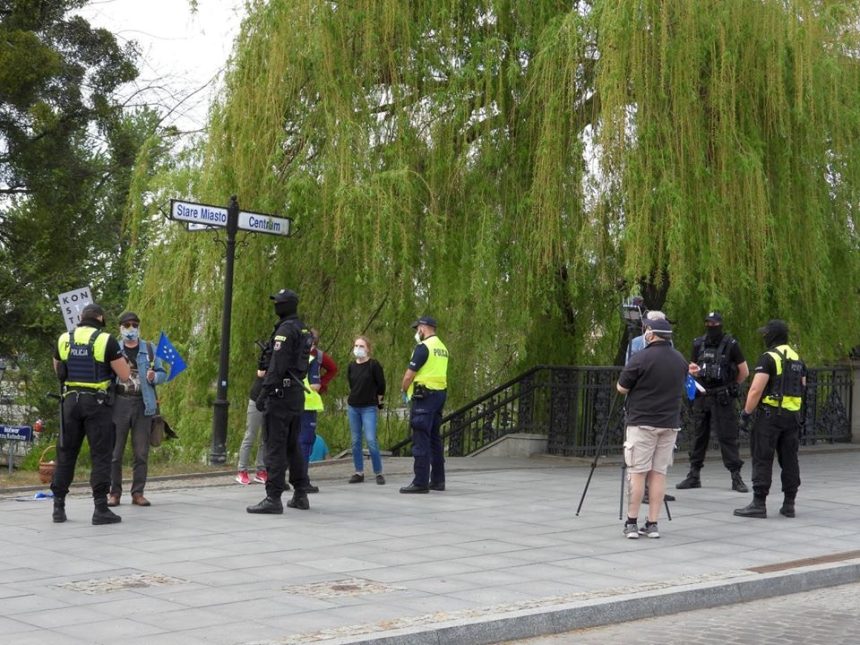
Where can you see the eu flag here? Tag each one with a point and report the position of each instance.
(167, 352)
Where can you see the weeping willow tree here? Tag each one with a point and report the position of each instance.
(514, 168)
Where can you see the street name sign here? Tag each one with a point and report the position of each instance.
(204, 214)
(262, 223)
(16, 433)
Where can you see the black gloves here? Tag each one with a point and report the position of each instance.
(745, 421)
(261, 401)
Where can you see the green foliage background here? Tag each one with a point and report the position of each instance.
(514, 168)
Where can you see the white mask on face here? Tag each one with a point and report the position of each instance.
(130, 334)
(418, 338)
(359, 352)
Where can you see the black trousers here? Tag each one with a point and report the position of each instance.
(717, 413)
(85, 415)
(282, 429)
(775, 431)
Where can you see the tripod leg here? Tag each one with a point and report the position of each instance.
(621, 496)
(668, 512)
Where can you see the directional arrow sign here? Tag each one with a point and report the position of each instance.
(261, 223)
(198, 213)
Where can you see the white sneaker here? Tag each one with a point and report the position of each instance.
(631, 530)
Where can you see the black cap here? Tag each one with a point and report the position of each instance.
(714, 317)
(128, 316)
(660, 327)
(92, 310)
(425, 320)
(285, 295)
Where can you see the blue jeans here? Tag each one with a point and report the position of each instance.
(308, 434)
(364, 420)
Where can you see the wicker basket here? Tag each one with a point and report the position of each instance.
(46, 468)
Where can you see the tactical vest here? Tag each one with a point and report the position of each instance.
(83, 353)
(716, 368)
(301, 351)
(313, 400)
(786, 390)
(434, 373)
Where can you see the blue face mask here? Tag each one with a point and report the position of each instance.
(130, 334)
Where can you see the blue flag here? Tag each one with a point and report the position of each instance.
(167, 352)
(691, 387)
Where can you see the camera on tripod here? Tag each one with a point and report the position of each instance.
(632, 312)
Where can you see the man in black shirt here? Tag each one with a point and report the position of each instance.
(719, 365)
(653, 381)
(283, 401)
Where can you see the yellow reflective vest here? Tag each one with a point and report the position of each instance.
(313, 400)
(86, 366)
(434, 373)
(790, 403)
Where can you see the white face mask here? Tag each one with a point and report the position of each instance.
(130, 334)
(418, 338)
(359, 352)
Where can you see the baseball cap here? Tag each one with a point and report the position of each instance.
(425, 320)
(715, 317)
(660, 327)
(128, 316)
(285, 295)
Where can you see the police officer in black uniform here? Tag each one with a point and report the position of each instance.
(88, 361)
(719, 365)
(776, 397)
(283, 400)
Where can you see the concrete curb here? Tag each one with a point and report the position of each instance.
(561, 618)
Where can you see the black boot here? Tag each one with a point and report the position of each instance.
(738, 482)
(268, 506)
(756, 508)
(299, 501)
(692, 480)
(103, 515)
(787, 507)
(59, 510)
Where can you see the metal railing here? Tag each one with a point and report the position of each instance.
(573, 405)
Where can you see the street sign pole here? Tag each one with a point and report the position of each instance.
(218, 454)
(206, 216)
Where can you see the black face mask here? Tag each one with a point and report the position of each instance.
(288, 308)
(714, 334)
(774, 338)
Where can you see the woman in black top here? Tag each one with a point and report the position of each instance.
(366, 391)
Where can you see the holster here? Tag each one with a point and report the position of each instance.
(419, 391)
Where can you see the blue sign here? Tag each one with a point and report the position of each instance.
(16, 433)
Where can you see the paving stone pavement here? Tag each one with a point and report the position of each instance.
(500, 555)
(808, 618)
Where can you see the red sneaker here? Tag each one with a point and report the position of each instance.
(261, 477)
(242, 477)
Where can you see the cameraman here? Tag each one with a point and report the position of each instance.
(719, 364)
(653, 381)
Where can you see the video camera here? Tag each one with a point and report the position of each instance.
(632, 312)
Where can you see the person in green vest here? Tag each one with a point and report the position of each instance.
(425, 386)
(313, 405)
(775, 396)
(87, 361)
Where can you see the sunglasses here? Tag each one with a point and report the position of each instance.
(131, 324)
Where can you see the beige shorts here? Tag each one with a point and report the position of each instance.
(648, 448)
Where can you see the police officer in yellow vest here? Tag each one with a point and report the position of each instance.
(88, 361)
(775, 395)
(425, 384)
